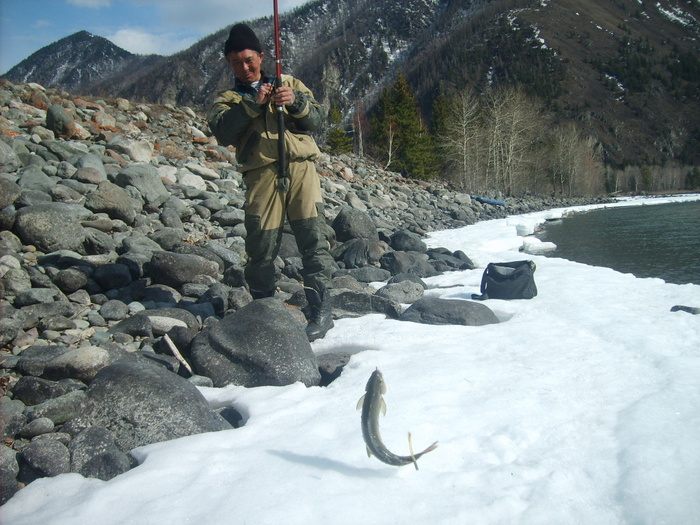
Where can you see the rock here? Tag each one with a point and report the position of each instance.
(35, 390)
(142, 404)
(351, 223)
(404, 292)
(144, 178)
(81, 363)
(51, 227)
(406, 241)
(112, 276)
(59, 409)
(331, 366)
(177, 269)
(9, 162)
(58, 121)
(9, 469)
(113, 200)
(408, 262)
(432, 310)
(12, 417)
(43, 458)
(37, 427)
(351, 303)
(94, 454)
(137, 150)
(261, 344)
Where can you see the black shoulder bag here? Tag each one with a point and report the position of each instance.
(508, 280)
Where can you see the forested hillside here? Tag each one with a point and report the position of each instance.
(620, 79)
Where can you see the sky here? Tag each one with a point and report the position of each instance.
(581, 405)
(140, 26)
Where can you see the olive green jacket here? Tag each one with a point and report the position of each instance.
(237, 119)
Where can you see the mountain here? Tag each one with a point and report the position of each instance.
(626, 71)
(83, 60)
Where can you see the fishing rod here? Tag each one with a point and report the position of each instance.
(282, 180)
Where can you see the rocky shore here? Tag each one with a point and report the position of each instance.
(121, 277)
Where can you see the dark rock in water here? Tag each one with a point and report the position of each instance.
(51, 227)
(142, 404)
(262, 344)
(432, 310)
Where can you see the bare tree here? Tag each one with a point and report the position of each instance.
(459, 140)
(513, 123)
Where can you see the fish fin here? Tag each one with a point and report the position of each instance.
(429, 449)
(382, 407)
(410, 449)
(360, 402)
(369, 452)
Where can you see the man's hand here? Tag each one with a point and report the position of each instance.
(264, 93)
(284, 96)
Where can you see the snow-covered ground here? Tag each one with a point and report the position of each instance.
(581, 407)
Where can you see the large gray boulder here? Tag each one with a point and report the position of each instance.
(178, 269)
(142, 404)
(259, 345)
(433, 310)
(51, 227)
(352, 224)
(145, 179)
(112, 200)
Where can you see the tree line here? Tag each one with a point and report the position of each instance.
(503, 141)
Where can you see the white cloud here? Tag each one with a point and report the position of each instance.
(142, 42)
(90, 3)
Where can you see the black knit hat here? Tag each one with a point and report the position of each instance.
(241, 37)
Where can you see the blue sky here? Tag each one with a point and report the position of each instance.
(139, 26)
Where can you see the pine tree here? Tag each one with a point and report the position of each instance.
(399, 136)
(337, 138)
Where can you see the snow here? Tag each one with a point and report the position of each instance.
(581, 406)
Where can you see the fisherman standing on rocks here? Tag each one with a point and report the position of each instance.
(246, 117)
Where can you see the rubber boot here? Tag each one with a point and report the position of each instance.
(320, 313)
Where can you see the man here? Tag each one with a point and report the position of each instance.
(246, 117)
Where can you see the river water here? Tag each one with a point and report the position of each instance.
(660, 240)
